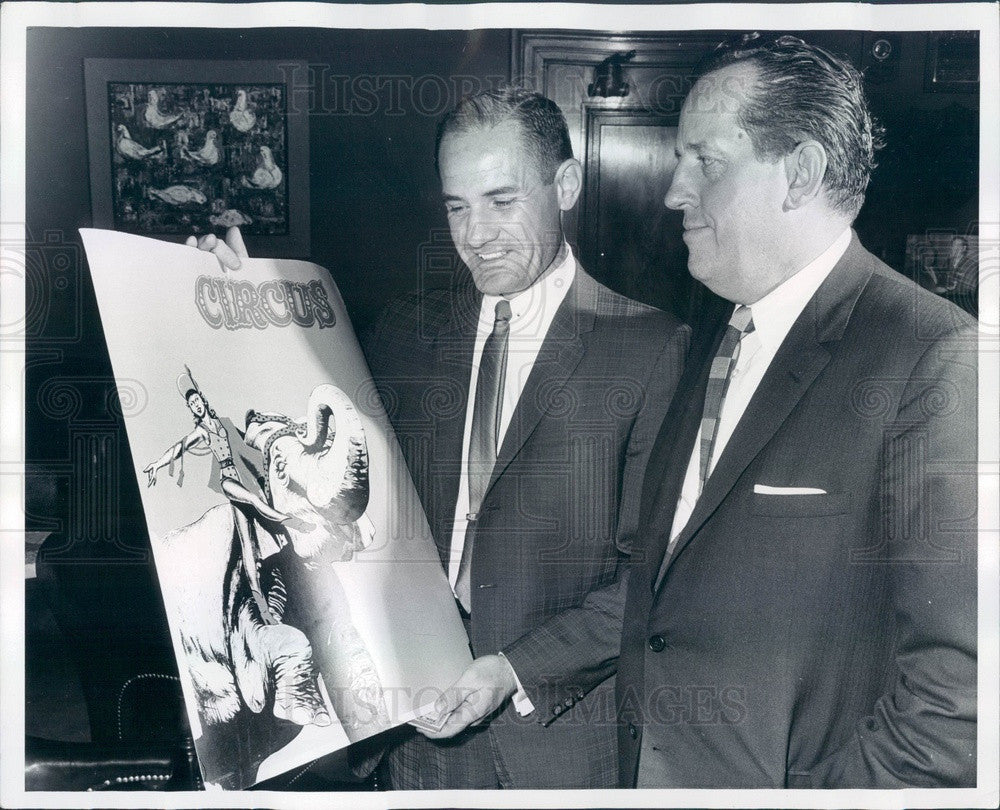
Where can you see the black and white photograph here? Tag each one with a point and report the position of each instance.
(500, 405)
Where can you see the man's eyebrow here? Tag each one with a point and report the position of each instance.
(698, 146)
(494, 192)
(498, 192)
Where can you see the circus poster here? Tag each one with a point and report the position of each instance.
(307, 604)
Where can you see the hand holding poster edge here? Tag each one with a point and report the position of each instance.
(230, 251)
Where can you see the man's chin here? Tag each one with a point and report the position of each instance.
(701, 270)
(712, 276)
(501, 281)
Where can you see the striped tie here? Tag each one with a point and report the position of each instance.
(740, 324)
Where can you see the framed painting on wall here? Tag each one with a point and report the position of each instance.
(191, 146)
(946, 264)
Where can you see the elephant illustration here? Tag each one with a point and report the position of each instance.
(261, 674)
(317, 472)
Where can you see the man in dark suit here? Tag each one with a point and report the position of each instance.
(801, 608)
(532, 517)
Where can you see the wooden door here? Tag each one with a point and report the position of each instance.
(628, 239)
(621, 230)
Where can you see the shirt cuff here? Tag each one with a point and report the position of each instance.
(522, 703)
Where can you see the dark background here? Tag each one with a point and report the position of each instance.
(374, 202)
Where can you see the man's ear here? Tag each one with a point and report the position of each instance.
(569, 183)
(805, 168)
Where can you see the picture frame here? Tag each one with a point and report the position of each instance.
(952, 63)
(947, 264)
(185, 146)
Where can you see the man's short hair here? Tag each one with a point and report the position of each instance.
(806, 93)
(543, 126)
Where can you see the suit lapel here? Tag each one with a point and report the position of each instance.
(801, 358)
(559, 355)
(787, 379)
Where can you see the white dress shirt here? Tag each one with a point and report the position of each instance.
(773, 317)
(532, 311)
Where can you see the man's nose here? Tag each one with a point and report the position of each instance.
(480, 230)
(681, 192)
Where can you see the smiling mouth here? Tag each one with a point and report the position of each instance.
(489, 257)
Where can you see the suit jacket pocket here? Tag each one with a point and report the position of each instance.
(767, 505)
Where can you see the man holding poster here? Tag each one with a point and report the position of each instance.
(526, 435)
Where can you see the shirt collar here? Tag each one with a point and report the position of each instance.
(538, 303)
(774, 314)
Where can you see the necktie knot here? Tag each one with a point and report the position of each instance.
(742, 320)
(720, 372)
(502, 314)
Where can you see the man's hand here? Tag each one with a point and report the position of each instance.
(229, 253)
(480, 690)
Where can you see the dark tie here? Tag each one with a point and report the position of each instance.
(485, 437)
(740, 325)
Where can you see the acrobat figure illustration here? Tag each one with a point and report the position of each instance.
(257, 681)
(213, 434)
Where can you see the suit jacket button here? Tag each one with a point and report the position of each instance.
(557, 709)
(657, 643)
(579, 695)
(568, 703)
(632, 731)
